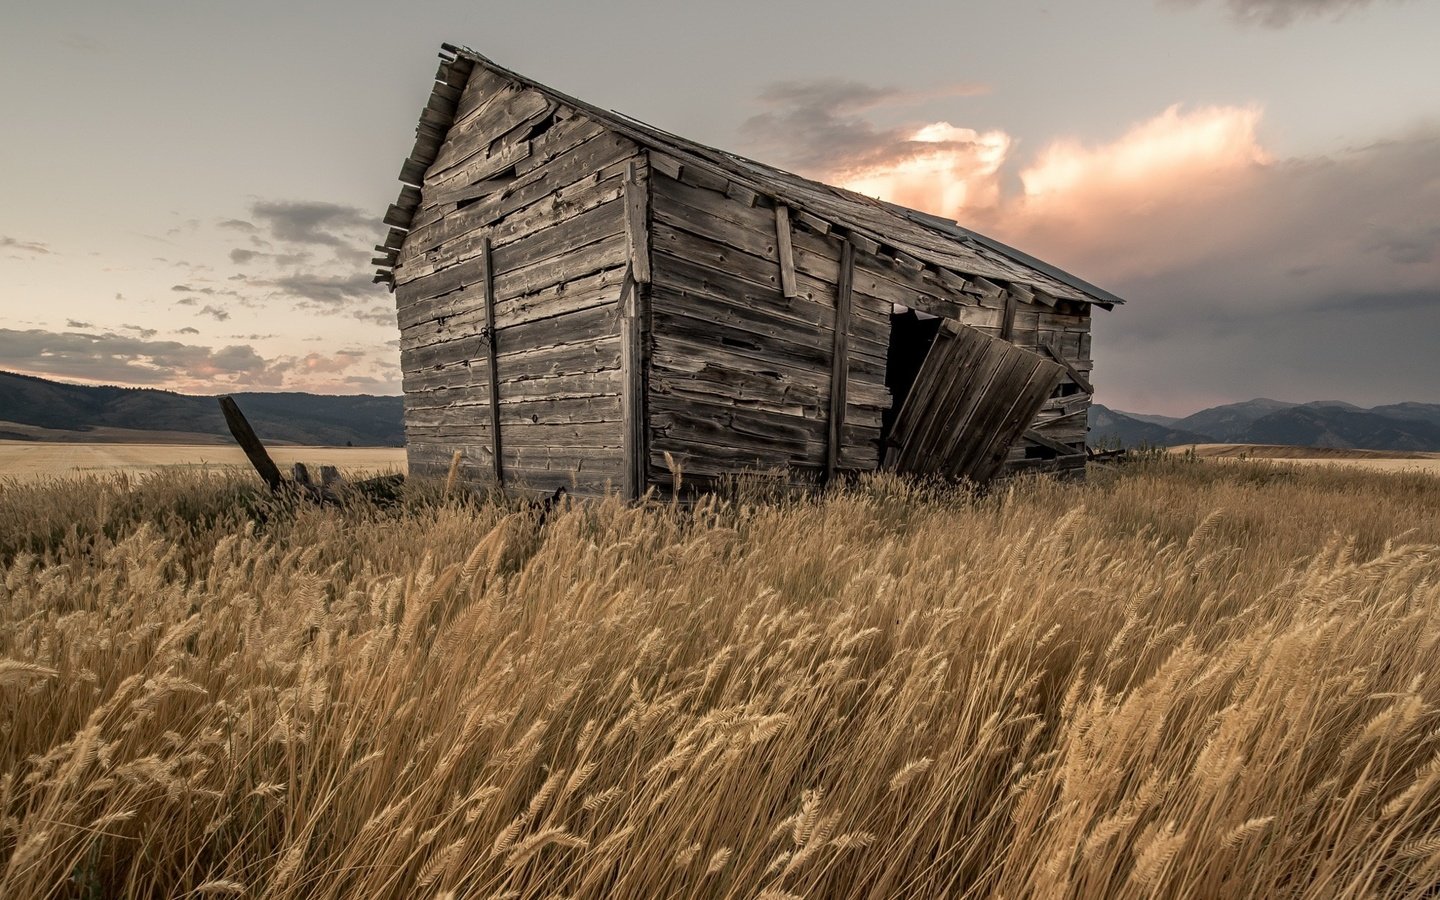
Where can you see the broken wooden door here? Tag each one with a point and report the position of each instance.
(973, 397)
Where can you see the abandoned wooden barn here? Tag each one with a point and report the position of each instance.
(584, 299)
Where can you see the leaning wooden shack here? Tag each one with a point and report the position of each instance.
(584, 300)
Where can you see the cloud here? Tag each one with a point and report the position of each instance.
(71, 323)
(208, 291)
(141, 330)
(18, 246)
(113, 358)
(117, 358)
(379, 315)
(821, 124)
(1223, 248)
(312, 221)
(326, 290)
(217, 313)
(238, 225)
(188, 329)
(1279, 13)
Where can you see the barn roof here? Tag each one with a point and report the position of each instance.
(907, 234)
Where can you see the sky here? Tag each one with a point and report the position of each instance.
(192, 190)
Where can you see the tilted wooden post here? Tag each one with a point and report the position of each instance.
(254, 450)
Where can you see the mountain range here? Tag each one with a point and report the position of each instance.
(1321, 423)
(39, 409)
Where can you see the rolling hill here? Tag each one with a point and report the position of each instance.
(1405, 426)
(105, 413)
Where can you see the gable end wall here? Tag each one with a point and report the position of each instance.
(544, 185)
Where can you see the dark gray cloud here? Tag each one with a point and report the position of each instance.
(1279, 13)
(131, 359)
(313, 221)
(1328, 288)
(188, 329)
(219, 314)
(243, 256)
(820, 125)
(326, 290)
(206, 290)
(72, 323)
(379, 315)
(116, 358)
(140, 330)
(18, 246)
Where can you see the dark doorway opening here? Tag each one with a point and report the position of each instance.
(911, 336)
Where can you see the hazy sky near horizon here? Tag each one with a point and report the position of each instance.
(192, 189)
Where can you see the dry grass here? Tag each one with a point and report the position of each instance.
(1186, 681)
(1368, 460)
(43, 459)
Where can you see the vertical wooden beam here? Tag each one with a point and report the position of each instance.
(633, 317)
(785, 251)
(492, 362)
(632, 388)
(637, 230)
(1007, 324)
(840, 360)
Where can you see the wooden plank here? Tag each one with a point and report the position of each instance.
(1036, 437)
(840, 360)
(571, 152)
(589, 292)
(523, 373)
(492, 361)
(786, 251)
(518, 224)
(1007, 324)
(557, 437)
(1070, 369)
(438, 407)
(554, 241)
(583, 327)
(715, 297)
(637, 225)
(1042, 379)
(694, 365)
(254, 450)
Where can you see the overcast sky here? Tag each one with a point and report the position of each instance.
(191, 190)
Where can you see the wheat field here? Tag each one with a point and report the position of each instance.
(1182, 680)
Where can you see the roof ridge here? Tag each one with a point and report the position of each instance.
(970, 253)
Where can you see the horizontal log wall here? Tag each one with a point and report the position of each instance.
(740, 373)
(1064, 418)
(541, 187)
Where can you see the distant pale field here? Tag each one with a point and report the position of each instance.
(34, 459)
(1369, 460)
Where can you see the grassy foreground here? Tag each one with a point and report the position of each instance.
(1187, 680)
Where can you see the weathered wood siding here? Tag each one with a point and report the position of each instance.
(543, 186)
(1065, 330)
(740, 374)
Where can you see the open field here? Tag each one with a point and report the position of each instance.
(1372, 460)
(31, 459)
(1179, 680)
